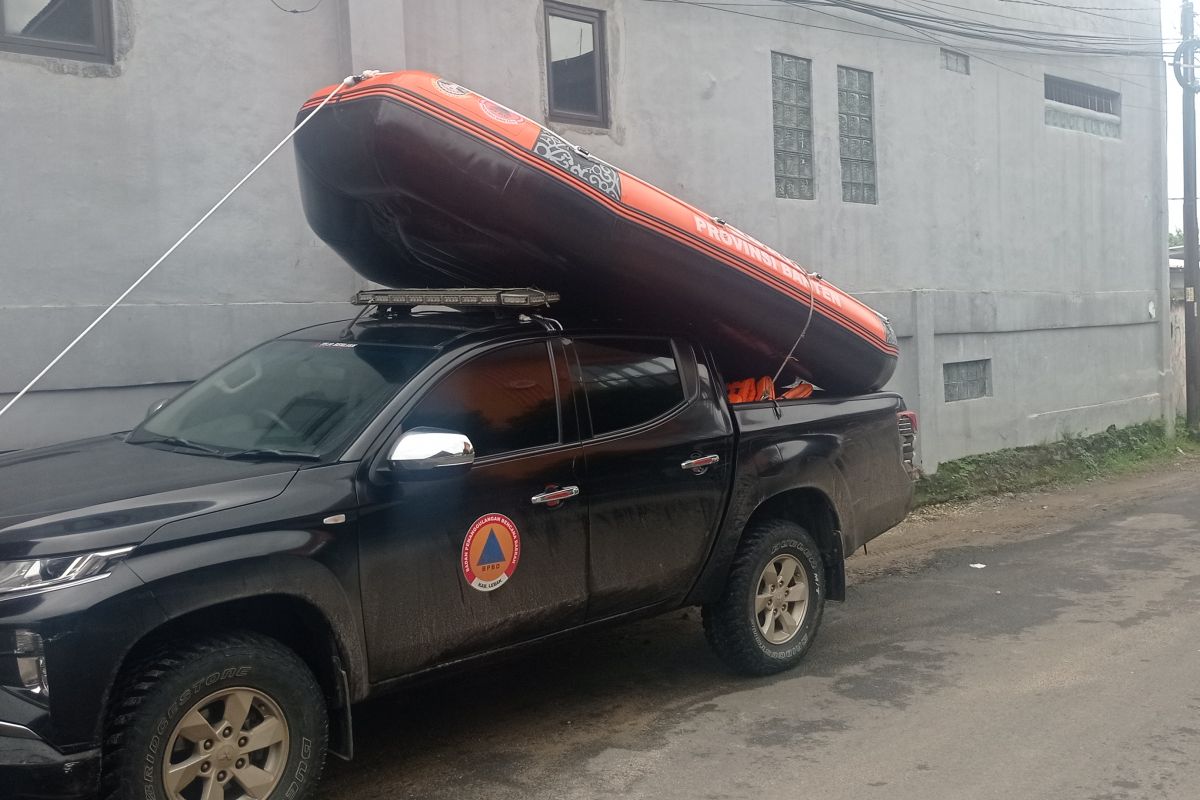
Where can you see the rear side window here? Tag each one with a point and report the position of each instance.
(503, 401)
(627, 381)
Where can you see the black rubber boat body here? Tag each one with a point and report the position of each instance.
(418, 182)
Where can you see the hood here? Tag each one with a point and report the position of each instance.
(101, 493)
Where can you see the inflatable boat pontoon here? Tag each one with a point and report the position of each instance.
(419, 182)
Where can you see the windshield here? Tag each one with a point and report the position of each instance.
(286, 398)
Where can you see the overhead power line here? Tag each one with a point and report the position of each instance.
(1028, 38)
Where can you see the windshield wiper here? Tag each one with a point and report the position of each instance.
(268, 453)
(176, 441)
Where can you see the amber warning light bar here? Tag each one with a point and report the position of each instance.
(456, 298)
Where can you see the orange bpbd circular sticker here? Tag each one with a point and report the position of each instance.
(490, 552)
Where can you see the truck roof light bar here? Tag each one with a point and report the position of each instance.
(456, 298)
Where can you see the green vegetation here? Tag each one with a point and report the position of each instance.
(1175, 238)
(1073, 459)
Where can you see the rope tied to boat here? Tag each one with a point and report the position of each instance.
(812, 303)
(349, 80)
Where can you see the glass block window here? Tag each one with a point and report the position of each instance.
(956, 61)
(791, 99)
(1081, 107)
(966, 380)
(856, 129)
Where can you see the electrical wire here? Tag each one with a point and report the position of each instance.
(1082, 44)
(1034, 41)
(924, 39)
(1155, 25)
(348, 81)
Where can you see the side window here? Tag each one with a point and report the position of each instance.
(502, 401)
(628, 381)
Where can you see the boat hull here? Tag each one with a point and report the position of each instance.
(417, 182)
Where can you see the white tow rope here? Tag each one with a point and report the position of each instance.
(348, 81)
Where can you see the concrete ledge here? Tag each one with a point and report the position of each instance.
(1000, 312)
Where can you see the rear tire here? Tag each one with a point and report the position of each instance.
(768, 614)
(241, 710)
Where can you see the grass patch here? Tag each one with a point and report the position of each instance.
(1072, 459)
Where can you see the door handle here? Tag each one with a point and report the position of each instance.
(698, 464)
(554, 496)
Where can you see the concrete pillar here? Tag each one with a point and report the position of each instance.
(376, 29)
(929, 379)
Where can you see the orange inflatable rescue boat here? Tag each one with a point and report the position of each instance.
(418, 182)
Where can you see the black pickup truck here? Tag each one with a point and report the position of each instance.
(189, 610)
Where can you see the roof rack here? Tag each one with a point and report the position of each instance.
(456, 298)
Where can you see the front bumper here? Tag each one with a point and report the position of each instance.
(30, 769)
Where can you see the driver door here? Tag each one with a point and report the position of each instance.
(452, 566)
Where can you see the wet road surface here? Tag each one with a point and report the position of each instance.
(1067, 667)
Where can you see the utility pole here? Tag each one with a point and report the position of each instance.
(1185, 73)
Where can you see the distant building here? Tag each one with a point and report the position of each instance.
(1005, 208)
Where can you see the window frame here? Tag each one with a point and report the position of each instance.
(587, 432)
(949, 55)
(1051, 83)
(102, 51)
(597, 19)
(986, 378)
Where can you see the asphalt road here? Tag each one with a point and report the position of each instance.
(1067, 667)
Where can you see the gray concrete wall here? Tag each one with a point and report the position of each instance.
(104, 167)
(996, 236)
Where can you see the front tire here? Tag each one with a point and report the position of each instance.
(768, 614)
(237, 716)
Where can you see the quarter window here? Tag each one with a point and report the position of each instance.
(503, 401)
(628, 382)
(74, 29)
(576, 64)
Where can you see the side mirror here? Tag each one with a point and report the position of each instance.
(156, 406)
(431, 453)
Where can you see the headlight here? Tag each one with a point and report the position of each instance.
(44, 574)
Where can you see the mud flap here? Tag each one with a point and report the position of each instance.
(341, 721)
(835, 568)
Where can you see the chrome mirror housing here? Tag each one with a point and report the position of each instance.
(431, 452)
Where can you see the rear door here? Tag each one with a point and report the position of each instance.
(647, 407)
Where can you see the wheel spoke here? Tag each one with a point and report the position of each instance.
(760, 602)
(788, 622)
(766, 624)
(257, 782)
(266, 733)
(787, 569)
(195, 728)
(178, 777)
(212, 790)
(237, 708)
